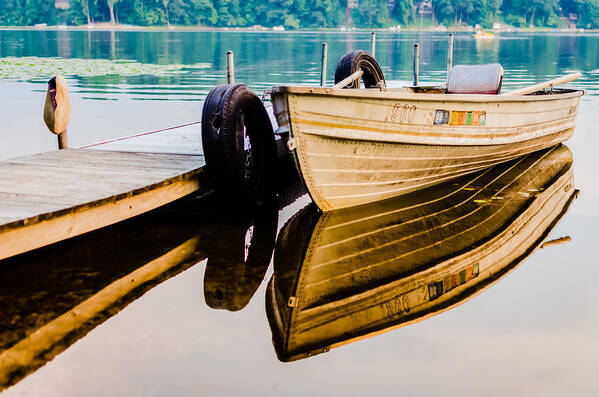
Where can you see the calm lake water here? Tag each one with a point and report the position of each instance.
(198, 322)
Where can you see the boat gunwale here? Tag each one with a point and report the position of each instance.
(424, 97)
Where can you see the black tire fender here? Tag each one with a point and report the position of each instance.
(232, 117)
(359, 60)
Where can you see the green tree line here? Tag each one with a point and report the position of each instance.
(298, 14)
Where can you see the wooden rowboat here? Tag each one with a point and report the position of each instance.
(373, 268)
(355, 146)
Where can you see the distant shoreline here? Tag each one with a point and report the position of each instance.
(136, 28)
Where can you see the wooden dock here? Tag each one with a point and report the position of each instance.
(49, 197)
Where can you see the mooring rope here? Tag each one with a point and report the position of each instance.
(267, 106)
(140, 134)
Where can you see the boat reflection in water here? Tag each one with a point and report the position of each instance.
(51, 297)
(349, 274)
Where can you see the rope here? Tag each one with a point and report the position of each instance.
(140, 134)
(267, 106)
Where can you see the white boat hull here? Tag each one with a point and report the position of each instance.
(358, 146)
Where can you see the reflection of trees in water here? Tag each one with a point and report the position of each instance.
(264, 59)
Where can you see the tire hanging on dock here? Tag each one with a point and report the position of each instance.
(238, 142)
(359, 60)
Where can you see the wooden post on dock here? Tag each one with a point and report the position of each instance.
(450, 54)
(416, 64)
(62, 140)
(57, 109)
(372, 43)
(323, 71)
(230, 68)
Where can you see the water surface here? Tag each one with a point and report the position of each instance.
(201, 326)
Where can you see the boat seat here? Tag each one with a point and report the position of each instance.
(475, 79)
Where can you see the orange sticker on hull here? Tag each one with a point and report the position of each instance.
(475, 116)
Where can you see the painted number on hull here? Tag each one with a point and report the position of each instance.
(397, 306)
(403, 113)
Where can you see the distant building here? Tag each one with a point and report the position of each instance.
(353, 4)
(424, 7)
(62, 4)
(571, 20)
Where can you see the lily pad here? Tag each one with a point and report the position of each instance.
(33, 68)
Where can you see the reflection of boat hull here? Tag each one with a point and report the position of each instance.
(398, 281)
(484, 35)
(403, 141)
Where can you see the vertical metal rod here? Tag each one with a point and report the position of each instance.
(450, 54)
(323, 71)
(62, 140)
(416, 64)
(372, 43)
(230, 68)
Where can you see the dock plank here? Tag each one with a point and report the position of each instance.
(48, 197)
(79, 186)
(83, 175)
(108, 158)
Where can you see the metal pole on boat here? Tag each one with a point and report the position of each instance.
(230, 68)
(416, 64)
(372, 43)
(323, 71)
(450, 54)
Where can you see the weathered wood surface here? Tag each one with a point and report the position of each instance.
(49, 197)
